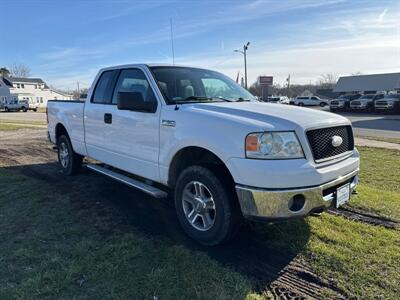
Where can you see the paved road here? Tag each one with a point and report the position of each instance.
(374, 125)
(364, 124)
(26, 116)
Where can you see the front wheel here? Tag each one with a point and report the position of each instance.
(6, 109)
(301, 104)
(69, 161)
(24, 109)
(206, 207)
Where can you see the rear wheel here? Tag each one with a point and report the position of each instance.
(24, 109)
(6, 108)
(301, 104)
(206, 207)
(322, 104)
(70, 162)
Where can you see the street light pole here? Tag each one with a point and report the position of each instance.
(244, 52)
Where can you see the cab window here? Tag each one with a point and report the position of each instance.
(133, 80)
(103, 90)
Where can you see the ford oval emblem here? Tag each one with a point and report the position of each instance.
(336, 141)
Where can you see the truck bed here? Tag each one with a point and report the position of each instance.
(70, 113)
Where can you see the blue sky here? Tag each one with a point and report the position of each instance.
(68, 41)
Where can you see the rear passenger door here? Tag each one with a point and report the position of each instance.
(97, 110)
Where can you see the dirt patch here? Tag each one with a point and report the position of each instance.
(361, 216)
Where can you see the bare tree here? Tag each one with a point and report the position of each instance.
(20, 70)
(4, 72)
(327, 80)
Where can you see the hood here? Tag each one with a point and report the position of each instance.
(268, 116)
(390, 99)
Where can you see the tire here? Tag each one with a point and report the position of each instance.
(69, 161)
(6, 109)
(223, 213)
(24, 109)
(301, 104)
(35, 110)
(322, 104)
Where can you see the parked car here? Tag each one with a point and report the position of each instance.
(284, 100)
(199, 135)
(390, 103)
(16, 105)
(310, 101)
(33, 105)
(342, 102)
(273, 99)
(365, 102)
(278, 99)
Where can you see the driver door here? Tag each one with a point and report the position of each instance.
(132, 137)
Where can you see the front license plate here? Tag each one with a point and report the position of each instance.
(342, 195)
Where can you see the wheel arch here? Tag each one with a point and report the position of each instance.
(60, 130)
(195, 155)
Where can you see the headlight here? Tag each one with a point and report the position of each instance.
(273, 145)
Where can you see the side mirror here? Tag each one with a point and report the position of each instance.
(135, 101)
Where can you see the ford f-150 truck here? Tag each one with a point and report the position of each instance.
(198, 134)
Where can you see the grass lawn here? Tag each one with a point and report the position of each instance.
(7, 125)
(379, 189)
(73, 243)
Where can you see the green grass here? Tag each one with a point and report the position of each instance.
(7, 125)
(23, 122)
(360, 259)
(49, 249)
(70, 244)
(379, 188)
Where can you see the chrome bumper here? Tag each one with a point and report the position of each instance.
(271, 204)
(385, 107)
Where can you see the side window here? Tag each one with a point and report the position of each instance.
(314, 98)
(133, 80)
(102, 92)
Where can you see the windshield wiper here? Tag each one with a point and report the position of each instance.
(199, 99)
(242, 100)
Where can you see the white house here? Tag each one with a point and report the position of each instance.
(35, 90)
(5, 95)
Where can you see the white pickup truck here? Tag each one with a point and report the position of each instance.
(225, 155)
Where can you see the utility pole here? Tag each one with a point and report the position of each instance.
(288, 85)
(79, 91)
(172, 42)
(244, 52)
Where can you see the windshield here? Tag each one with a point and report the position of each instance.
(393, 96)
(367, 97)
(183, 85)
(344, 97)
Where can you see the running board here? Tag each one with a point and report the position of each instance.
(148, 189)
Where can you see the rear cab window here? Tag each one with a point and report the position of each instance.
(103, 91)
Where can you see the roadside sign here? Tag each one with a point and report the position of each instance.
(265, 80)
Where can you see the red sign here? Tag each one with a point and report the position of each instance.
(265, 80)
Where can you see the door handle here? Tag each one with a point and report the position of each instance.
(108, 118)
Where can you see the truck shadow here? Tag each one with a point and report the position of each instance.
(260, 251)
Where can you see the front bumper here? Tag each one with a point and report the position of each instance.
(358, 107)
(337, 106)
(278, 204)
(384, 107)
